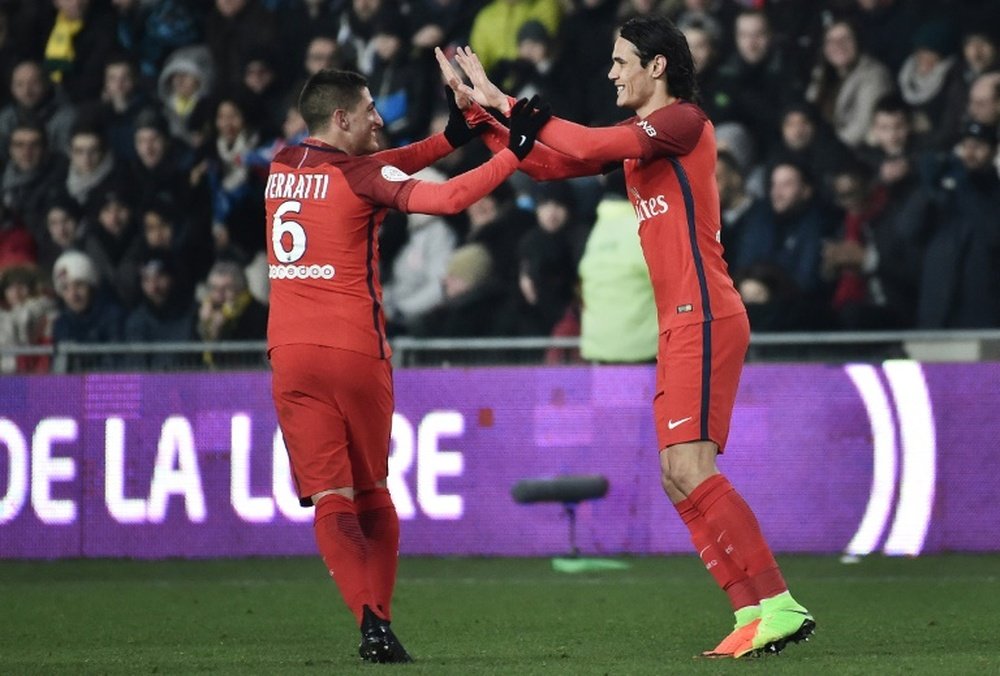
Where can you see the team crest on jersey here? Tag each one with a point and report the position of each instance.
(391, 173)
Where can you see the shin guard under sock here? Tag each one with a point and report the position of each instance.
(728, 515)
(380, 526)
(345, 552)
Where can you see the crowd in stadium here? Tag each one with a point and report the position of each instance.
(858, 164)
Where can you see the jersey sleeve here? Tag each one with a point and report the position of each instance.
(413, 157)
(381, 184)
(542, 163)
(669, 131)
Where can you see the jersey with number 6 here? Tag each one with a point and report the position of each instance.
(324, 209)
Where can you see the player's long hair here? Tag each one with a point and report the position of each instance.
(327, 91)
(656, 34)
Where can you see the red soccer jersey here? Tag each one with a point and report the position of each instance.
(324, 209)
(676, 199)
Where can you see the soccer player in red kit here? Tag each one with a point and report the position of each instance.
(669, 154)
(332, 382)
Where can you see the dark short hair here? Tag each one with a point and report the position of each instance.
(327, 91)
(656, 34)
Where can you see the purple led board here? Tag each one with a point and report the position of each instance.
(898, 457)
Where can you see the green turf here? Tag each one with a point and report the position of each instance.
(934, 615)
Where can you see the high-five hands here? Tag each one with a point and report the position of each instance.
(526, 119)
(482, 91)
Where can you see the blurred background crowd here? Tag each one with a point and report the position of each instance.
(858, 165)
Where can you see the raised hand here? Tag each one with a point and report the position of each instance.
(483, 91)
(463, 98)
(526, 120)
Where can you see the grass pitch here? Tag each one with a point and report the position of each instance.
(934, 615)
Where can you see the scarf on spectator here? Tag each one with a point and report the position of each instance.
(59, 51)
(79, 185)
(851, 285)
(918, 89)
(234, 168)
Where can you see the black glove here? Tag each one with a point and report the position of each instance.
(526, 120)
(457, 132)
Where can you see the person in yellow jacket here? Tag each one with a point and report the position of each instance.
(494, 31)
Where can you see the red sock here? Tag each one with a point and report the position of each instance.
(728, 574)
(344, 550)
(728, 514)
(380, 525)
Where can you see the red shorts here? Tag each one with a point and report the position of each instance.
(335, 412)
(697, 373)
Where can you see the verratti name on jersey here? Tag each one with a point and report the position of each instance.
(287, 186)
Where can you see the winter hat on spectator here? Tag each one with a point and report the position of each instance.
(471, 263)
(73, 266)
(935, 36)
(535, 31)
(982, 132)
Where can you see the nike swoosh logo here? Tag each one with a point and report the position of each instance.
(523, 140)
(671, 424)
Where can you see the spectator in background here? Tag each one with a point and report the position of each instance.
(442, 23)
(298, 23)
(233, 187)
(121, 101)
(17, 246)
(614, 285)
(755, 80)
(846, 84)
(531, 72)
(92, 169)
(114, 245)
(704, 46)
(496, 222)
(979, 56)
(63, 231)
(494, 30)
(790, 233)
(228, 311)
(86, 313)
(400, 85)
(416, 283)
(233, 30)
(161, 167)
(738, 206)
(774, 301)
(927, 78)
(892, 151)
(26, 314)
(358, 25)
(32, 176)
(184, 86)
(167, 234)
(322, 53)
(960, 284)
(81, 40)
(165, 311)
(591, 25)
(263, 92)
(851, 259)
(150, 31)
(984, 100)
(474, 299)
(546, 270)
(808, 141)
(34, 99)
(885, 28)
